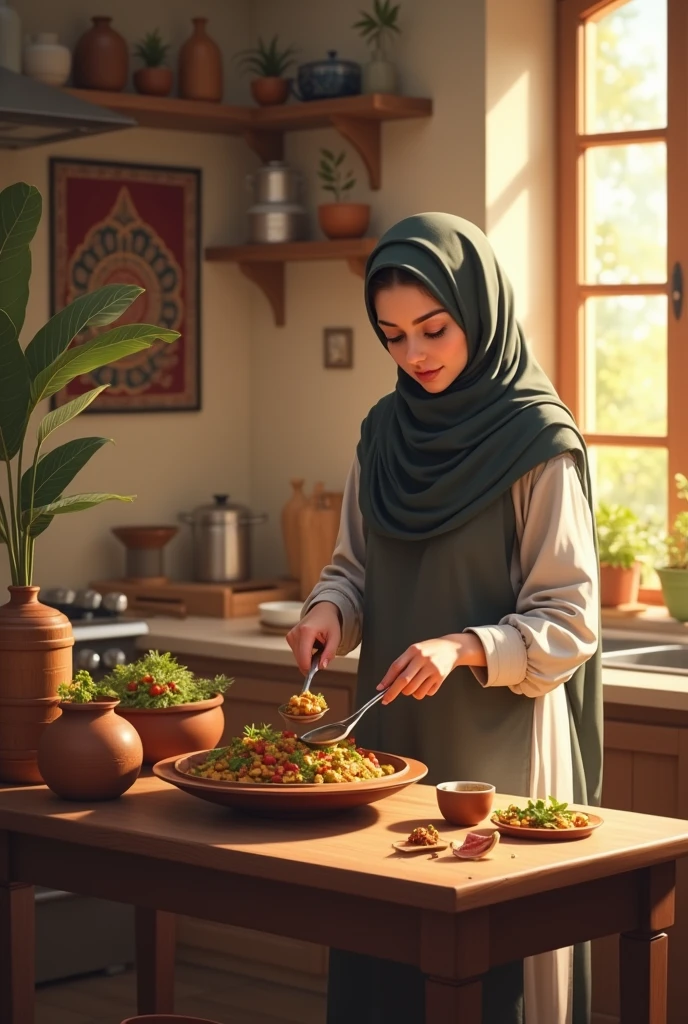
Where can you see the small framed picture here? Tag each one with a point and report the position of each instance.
(338, 348)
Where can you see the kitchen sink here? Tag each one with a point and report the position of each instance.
(644, 655)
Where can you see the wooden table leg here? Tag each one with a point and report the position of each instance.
(447, 1001)
(643, 978)
(155, 952)
(17, 953)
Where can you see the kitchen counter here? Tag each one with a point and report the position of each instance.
(242, 640)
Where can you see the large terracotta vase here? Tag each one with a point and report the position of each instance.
(291, 528)
(200, 66)
(35, 657)
(101, 58)
(89, 752)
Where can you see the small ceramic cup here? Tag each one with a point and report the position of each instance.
(465, 803)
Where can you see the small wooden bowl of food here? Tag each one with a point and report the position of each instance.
(304, 708)
(465, 803)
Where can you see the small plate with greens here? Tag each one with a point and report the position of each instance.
(547, 820)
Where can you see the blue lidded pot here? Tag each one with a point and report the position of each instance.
(327, 79)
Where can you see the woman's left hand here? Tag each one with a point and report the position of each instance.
(421, 670)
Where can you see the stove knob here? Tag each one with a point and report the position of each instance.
(90, 599)
(115, 602)
(60, 595)
(114, 656)
(88, 659)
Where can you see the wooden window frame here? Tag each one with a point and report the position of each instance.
(572, 144)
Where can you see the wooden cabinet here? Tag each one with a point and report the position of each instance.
(646, 770)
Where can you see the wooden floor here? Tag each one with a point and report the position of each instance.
(218, 995)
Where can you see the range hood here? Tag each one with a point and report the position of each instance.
(33, 114)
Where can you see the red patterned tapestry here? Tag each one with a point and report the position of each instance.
(124, 223)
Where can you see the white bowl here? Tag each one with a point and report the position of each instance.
(280, 613)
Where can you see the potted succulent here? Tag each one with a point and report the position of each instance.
(674, 575)
(622, 540)
(268, 64)
(154, 78)
(173, 711)
(88, 753)
(378, 29)
(340, 219)
(36, 641)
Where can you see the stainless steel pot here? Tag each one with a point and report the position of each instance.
(275, 182)
(276, 222)
(222, 540)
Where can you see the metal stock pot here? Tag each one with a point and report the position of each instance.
(222, 540)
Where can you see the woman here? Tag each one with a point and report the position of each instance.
(466, 564)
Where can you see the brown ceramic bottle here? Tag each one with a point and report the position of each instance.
(101, 58)
(200, 66)
(89, 752)
(35, 657)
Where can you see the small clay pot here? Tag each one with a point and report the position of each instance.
(153, 81)
(270, 91)
(168, 732)
(619, 586)
(344, 220)
(200, 66)
(465, 803)
(89, 753)
(101, 58)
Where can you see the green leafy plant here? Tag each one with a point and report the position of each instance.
(160, 681)
(267, 61)
(152, 50)
(50, 361)
(677, 541)
(83, 690)
(381, 25)
(332, 174)
(622, 539)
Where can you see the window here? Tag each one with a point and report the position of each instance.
(623, 235)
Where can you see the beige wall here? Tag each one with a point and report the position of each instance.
(304, 419)
(520, 160)
(172, 461)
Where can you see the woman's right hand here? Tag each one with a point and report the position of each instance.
(321, 624)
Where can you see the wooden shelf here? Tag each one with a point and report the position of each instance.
(264, 264)
(357, 118)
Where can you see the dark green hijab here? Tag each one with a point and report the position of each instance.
(431, 462)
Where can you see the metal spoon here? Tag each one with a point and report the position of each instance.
(328, 735)
(307, 719)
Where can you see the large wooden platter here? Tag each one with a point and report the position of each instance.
(308, 799)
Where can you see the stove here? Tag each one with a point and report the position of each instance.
(77, 934)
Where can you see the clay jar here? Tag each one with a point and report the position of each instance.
(89, 752)
(101, 58)
(35, 657)
(166, 732)
(344, 220)
(200, 66)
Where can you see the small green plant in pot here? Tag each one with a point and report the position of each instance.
(340, 219)
(268, 64)
(154, 78)
(378, 27)
(674, 575)
(622, 541)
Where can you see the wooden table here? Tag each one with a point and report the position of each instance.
(337, 881)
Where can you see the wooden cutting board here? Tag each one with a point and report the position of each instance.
(319, 526)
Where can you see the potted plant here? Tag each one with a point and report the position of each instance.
(269, 64)
(378, 29)
(674, 575)
(622, 540)
(154, 78)
(36, 641)
(340, 219)
(173, 711)
(88, 753)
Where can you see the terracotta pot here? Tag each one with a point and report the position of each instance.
(167, 1018)
(153, 81)
(291, 528)
(200, 66)
(88, 753)
(344, 220)
(270, 91)
(170, 732)
(35, 657)
(619, 586)
(101, 58)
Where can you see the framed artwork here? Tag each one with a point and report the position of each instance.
(113, 223)
(338, 348)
